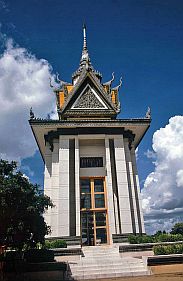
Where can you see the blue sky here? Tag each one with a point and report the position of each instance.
(140, 40)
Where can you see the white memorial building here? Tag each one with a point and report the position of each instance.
(90, 165)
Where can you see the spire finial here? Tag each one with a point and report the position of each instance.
(85, 62)
(84, 37)
(85, 56)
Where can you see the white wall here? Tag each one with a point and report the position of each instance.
(92, 148)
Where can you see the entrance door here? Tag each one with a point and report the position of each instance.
(93, 211)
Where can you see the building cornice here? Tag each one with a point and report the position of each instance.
(91, 122)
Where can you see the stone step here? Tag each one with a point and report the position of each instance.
(106, 270)
(106, 263)
(112, 249)
(85, 276)
(106, 267)
(108, 260)
(100, 253)
(119, 263)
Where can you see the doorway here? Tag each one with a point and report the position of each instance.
(94, 220)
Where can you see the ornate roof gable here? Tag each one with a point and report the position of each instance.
(88, 99)
(87, 96)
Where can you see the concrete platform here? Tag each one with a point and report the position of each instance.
(101, 262)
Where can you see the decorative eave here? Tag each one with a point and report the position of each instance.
(41, 128)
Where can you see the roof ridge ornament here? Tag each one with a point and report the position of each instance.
(120, 84)
(51, 85)
(148, 113)
(61, 81)
(110, 81)
(32, 116)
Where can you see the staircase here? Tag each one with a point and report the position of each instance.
(105, 262)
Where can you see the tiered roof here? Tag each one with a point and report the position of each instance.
(93, 98)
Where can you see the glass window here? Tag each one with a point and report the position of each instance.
(85, 201)
(98, 185)
(85, 185)
(91, 162)
(100, 218)
(101, 235)
(99, 201)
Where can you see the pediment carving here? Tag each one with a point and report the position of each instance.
(89, 99)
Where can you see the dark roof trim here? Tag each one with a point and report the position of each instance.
(60, 122)
(37, 142)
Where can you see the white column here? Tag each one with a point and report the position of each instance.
(122, 183)
(131, 182)
(47, 181)
(55, 189)
(77, 187)
(63, 229)
(109, 191)
(137, 187)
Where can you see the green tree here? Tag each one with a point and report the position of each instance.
(22, 205)
(177, 228)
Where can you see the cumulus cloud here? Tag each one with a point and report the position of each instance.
(150, 154)
(163, 188)
(24, 83)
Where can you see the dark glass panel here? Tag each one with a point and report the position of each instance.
(101, 235)
(87, 228)
(100, 218)
(91, 162)
(99, 201)
(98, 185)
(85, 185)
(85, 201)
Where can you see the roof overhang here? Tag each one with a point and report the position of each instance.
(43, 128)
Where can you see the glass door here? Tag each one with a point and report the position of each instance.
(94, 226)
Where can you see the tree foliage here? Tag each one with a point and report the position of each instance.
(21, 207)
(177, 228)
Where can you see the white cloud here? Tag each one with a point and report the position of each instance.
(163, 188)
(179, 178)
(27, 170)
(24, 82)
(150, 154)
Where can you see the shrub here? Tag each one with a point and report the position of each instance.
(168, 249)
(55, 244)
(139, 239)
(39, 255)
(159, 250)
(158, 237)
(169, 237)
(13, 261)
(132, 239)
(13, 255)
